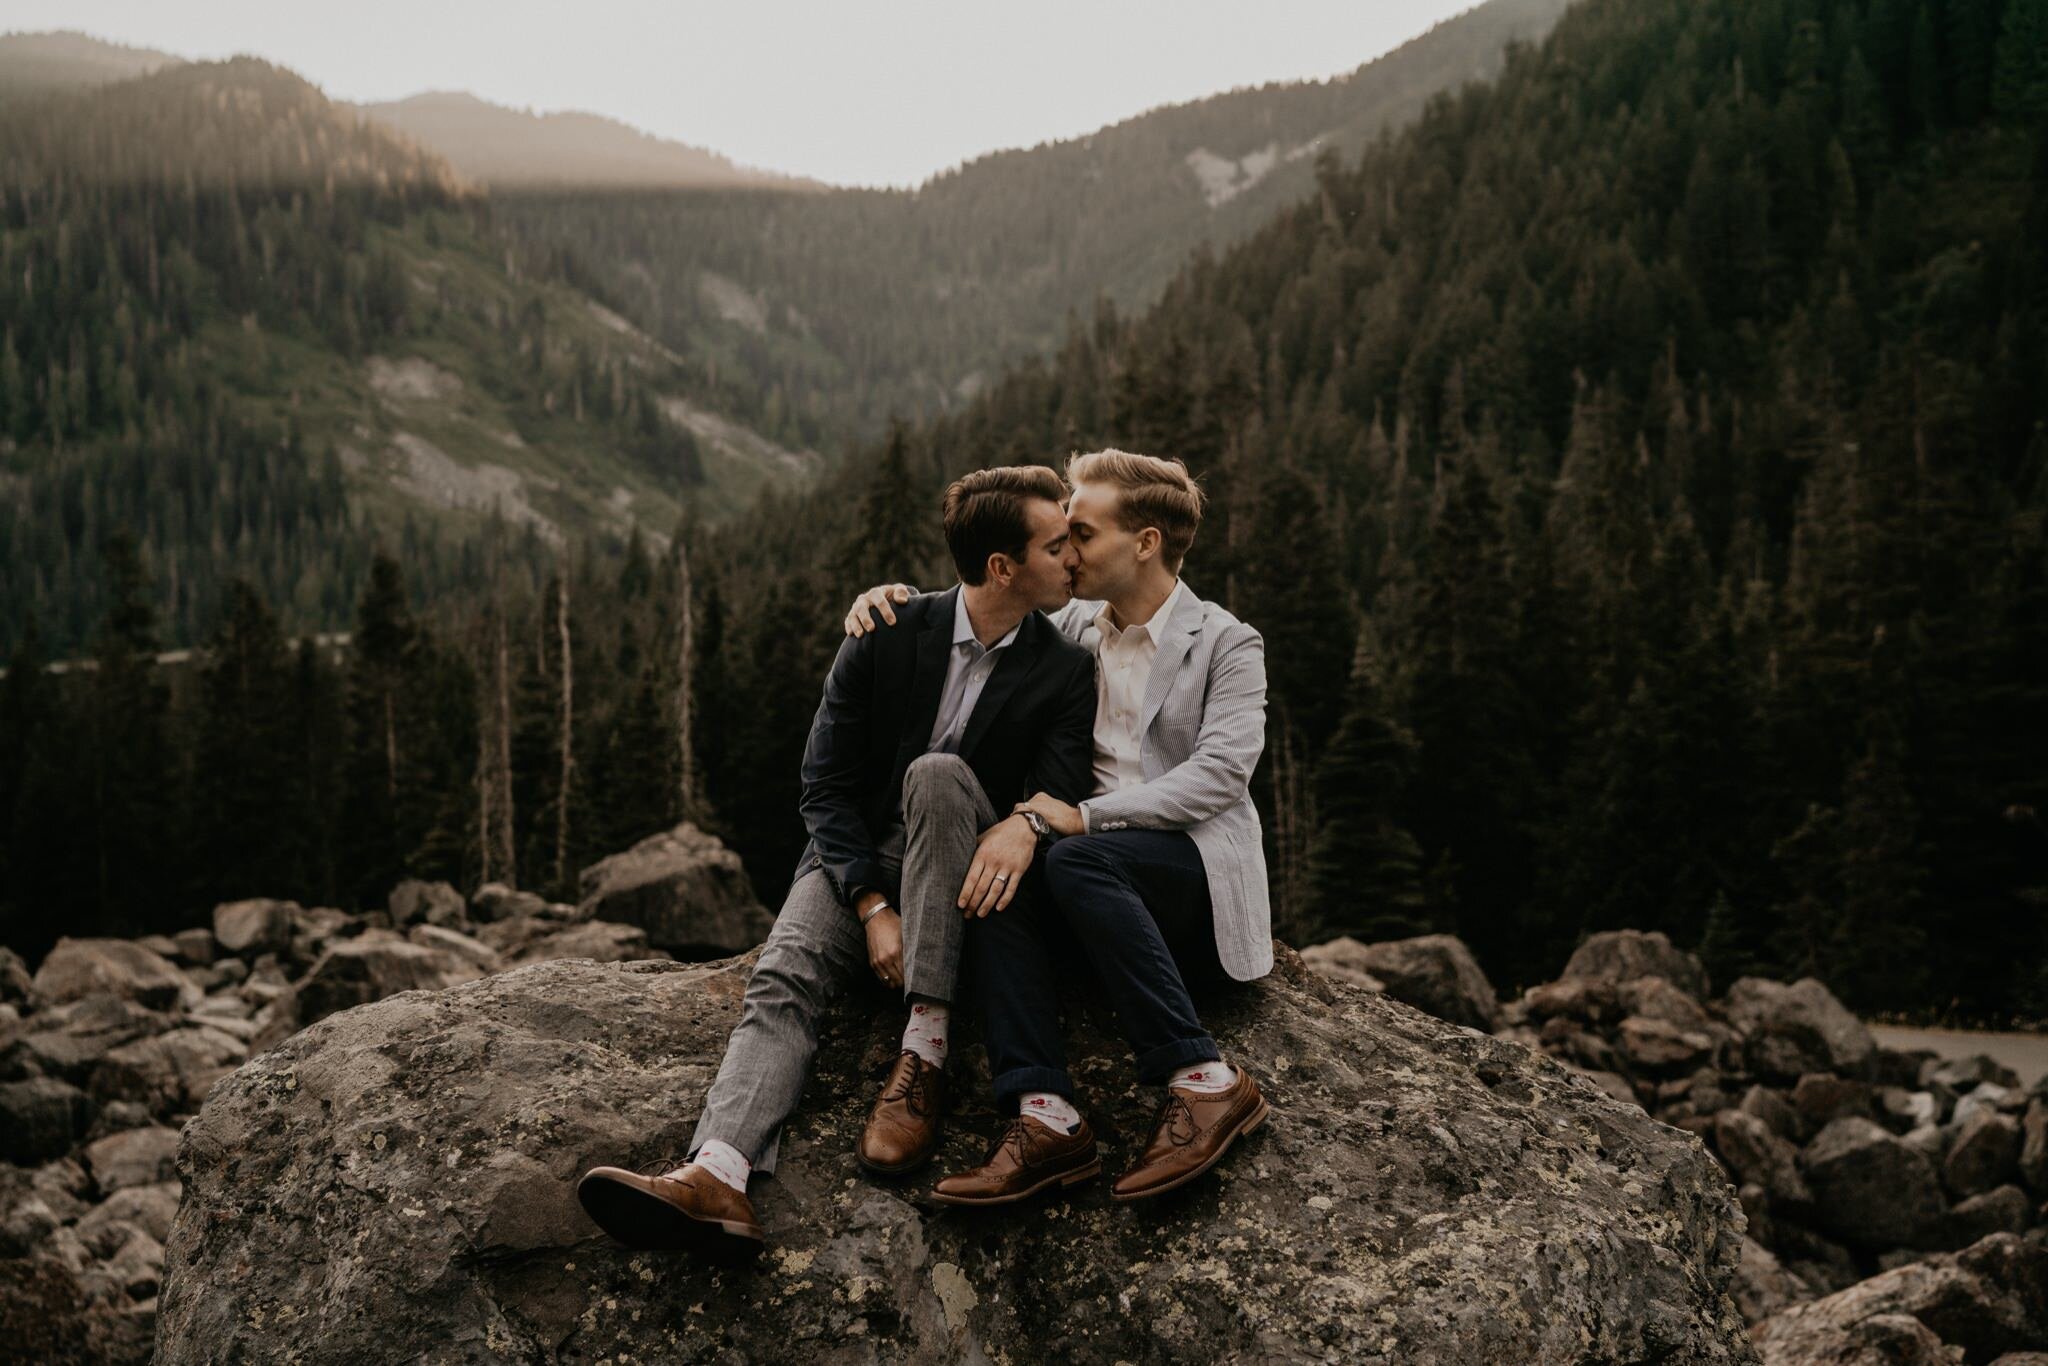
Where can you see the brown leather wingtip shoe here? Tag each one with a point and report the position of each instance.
(1025, 1159)
(1191, 1136)
(903, 1129)
(694, 1210)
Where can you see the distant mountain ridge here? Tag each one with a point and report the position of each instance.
(487, 143)
(508, 148)
(37, 63)
(851, 306)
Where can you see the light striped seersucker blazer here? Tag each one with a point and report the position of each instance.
(1202, 730)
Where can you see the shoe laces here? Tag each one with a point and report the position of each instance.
(661, 1167)
(1016, 1137)
(1177, 1121)
(911, 1084)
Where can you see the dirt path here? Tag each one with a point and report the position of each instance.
(2026, 1054)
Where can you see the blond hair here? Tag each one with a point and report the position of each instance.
(1152, 491)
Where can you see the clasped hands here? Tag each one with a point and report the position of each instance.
(1001, 859)
(1005, 852)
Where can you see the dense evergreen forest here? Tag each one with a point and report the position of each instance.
(202, 272)
(1637, 468)
(845, 309)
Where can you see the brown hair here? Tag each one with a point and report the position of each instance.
(984, 513)
(1152, 491)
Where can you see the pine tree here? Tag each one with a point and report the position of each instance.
(2019, 87)
(890, 538)
(133, 818)
(1364, 868)
(249, 840)
(382, 794)
(1879, 953)
(38, 821)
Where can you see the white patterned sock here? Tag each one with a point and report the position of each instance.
(1204, 1078)
(925, 1035)
(1054, 1112)
(723, 1161)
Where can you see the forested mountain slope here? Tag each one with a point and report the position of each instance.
(1655, 437)
(264, 333)
(849, 307)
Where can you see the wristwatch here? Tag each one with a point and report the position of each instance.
(1040, 826)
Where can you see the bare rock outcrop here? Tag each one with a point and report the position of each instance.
(402, 1175)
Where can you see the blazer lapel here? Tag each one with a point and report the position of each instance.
(928, 678)
(1174, 644)
(1010, 672)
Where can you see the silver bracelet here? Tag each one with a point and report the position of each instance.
(874, 911)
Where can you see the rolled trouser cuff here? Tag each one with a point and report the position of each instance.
(1022, 1080)
(1160, 1063)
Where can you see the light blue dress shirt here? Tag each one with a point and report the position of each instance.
(967, 671)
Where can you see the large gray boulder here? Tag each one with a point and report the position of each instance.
(371, 966)
(523, 941)
(2006, 1209)
(42, 1118)
(682, 886)
(133, 1157)
(78, 968)
(1763, 1286)
(1658, 1046)
(1990, 1298)
(496, 901)
(1871, 1189)
(1435, 973)
(68, 1041)
(1342, 960)
(1964, 1074)
(397, 1182)
(1983, 1153)
(1755, 1154)
(254, 926)
(169, 1072)
(413, 902)
(15, 978)
(1792, 1030)
(2034, 1146)
(1620, 955)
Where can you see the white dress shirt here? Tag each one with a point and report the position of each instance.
(1123, 669)
(967, 669)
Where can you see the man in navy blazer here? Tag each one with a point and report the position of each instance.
(924, 742)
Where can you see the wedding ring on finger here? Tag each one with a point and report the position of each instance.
(1002, 877)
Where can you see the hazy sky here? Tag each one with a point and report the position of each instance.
(880, 93)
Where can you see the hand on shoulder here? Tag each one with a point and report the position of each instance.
(860, 618)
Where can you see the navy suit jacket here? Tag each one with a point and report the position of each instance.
(1031, 730)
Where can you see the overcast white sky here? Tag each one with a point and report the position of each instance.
(869, 94)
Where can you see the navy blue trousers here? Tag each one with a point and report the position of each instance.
(1133, 905)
